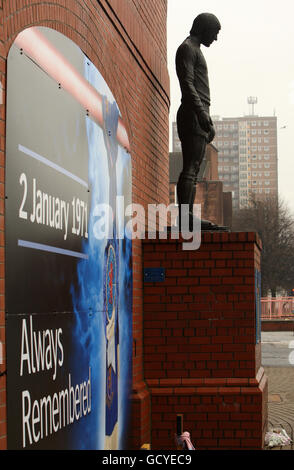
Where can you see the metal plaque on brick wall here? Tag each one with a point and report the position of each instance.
(154, 274)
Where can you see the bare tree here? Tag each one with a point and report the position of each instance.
(274, 223)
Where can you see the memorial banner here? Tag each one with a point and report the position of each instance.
(68, 273)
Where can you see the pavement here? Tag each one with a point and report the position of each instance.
(278, 363)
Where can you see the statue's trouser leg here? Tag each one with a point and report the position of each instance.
(193, 149)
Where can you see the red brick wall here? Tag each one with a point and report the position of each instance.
(211, 173)
(228, 209)
(210, 195)
(200, 356)
(126, 40)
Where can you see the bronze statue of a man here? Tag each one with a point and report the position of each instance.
(195, 127)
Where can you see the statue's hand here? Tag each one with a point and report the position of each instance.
(205, 121)
(211, 134)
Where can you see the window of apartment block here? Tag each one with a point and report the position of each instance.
(175, 195)
(253, 123)
(266, 165)
(265, 123)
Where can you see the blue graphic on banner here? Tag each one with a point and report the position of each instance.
(106, 335)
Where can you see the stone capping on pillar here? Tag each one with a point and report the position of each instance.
(204, 385)
(202, 354)
(209, 237)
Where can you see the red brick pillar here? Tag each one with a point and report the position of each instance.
(202, 350)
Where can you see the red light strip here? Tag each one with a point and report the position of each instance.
(41, 51)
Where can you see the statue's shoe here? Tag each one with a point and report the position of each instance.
(206, 225)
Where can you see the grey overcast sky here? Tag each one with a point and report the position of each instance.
(253, 56)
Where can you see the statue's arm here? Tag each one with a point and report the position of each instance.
(185, 64)
(186, 61)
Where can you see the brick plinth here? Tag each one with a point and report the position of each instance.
(202, 353)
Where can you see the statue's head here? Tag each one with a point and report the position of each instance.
(206, 27)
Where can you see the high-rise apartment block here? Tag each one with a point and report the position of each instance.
(247, 156)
